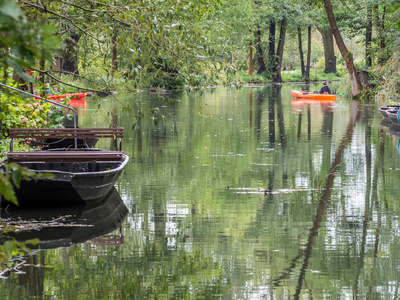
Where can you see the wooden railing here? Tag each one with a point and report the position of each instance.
(73, 154)
(70, 133)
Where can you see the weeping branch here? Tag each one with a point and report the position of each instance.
(48, 73)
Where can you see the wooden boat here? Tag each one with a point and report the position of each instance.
(86, 175)
(79, 223)
(389, 112)
(308, 95)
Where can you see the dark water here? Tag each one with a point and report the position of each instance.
(232, 194)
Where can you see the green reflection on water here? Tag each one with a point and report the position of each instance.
(228, 199)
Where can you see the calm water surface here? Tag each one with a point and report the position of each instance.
(230, 194)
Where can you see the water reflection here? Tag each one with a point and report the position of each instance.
(62, 228)
(66, 226)
(325, 198)
(327, 227)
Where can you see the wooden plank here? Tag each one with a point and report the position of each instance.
(64, 156)
(42, 133)
(59, 133)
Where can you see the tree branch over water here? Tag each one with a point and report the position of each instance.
(48, 73)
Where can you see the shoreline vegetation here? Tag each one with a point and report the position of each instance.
(241, 78)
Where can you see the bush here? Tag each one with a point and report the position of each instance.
(24, 113)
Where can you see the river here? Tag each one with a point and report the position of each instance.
(230, 194)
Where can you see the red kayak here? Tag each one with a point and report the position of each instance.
(75, 103)
(72, 96)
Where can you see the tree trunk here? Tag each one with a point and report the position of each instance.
(22, 84)
(251, 58)
(70, 61)
(380, 23)
(308, 67)
(114, 62)
(368, 38)
(279, 51)
(329, 51)
(356, 87)
(271, 47)
(303, 71)
(42, 78)
(260, 64)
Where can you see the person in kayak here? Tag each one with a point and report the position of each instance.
(325, 89)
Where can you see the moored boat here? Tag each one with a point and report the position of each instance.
(317, 96)
(87, 175)
(389, 112)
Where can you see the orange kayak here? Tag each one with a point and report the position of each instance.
(307, 95)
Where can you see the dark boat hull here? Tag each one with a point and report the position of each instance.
(83, 182)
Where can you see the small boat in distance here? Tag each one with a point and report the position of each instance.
(72, 96)
(317, 96)
(389, 112)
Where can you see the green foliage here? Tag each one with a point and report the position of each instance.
(25, 113)
(388, 78)
(22, 41)
(244, 77)
(13, 248)
(10, 176)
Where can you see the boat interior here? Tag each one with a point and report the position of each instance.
(72, 167)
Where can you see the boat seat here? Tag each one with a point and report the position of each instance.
(65, 156)
(70, 133)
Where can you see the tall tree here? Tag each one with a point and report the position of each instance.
(70, 54)
(368, 38)
(380, 14)
(251, 58)
(271, 46)
(259, 59)
(114, 62)
(279, 51)
(355, 83)
(308, 66)
(329, 52)
(302, 67)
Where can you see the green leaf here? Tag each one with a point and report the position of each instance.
(10, 9)
(9, 247)
(7, 190)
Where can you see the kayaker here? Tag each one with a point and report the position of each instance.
(325, 89)
(47, 89)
